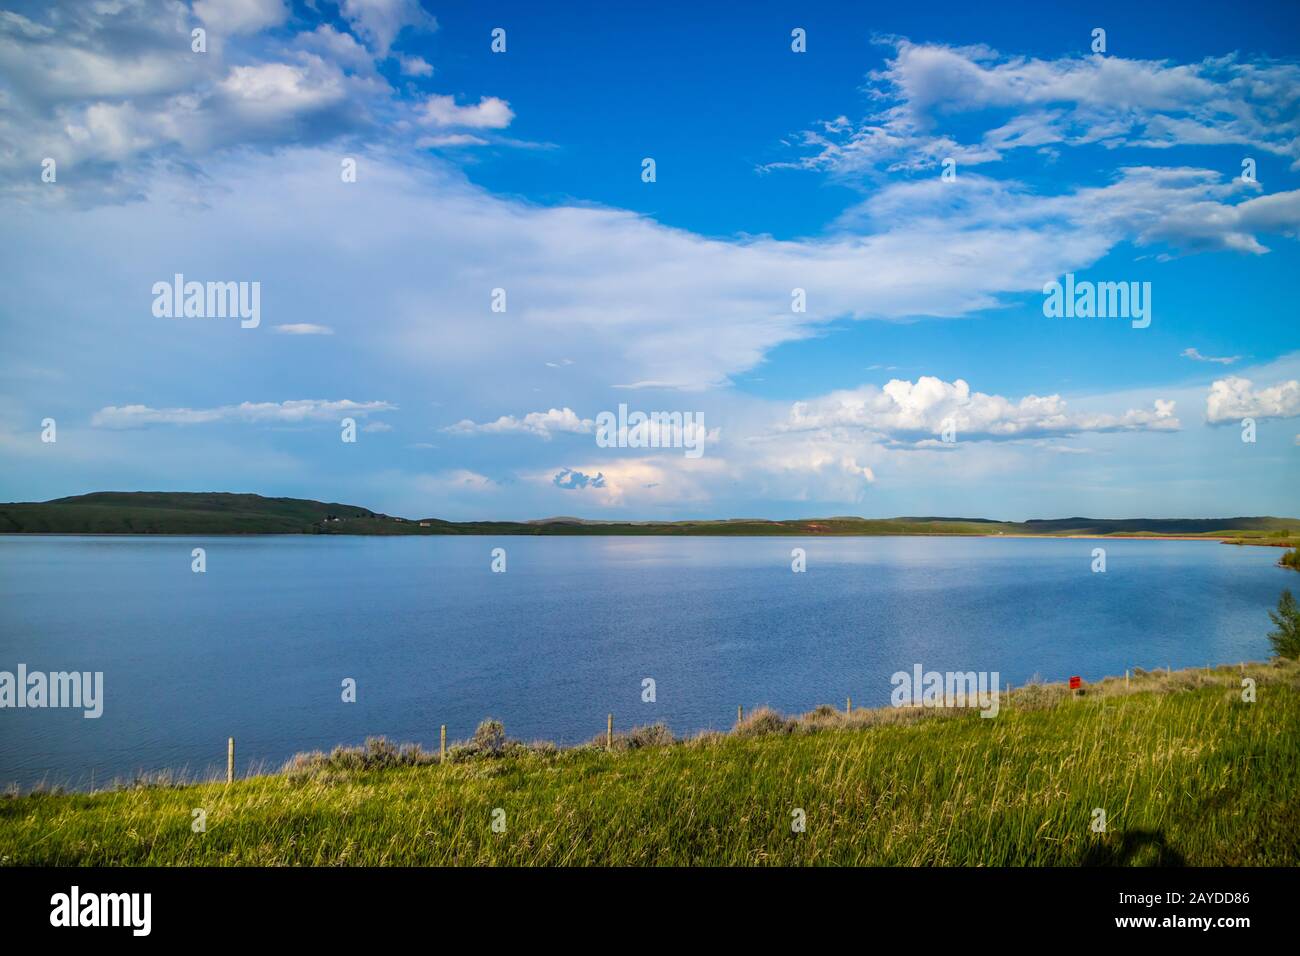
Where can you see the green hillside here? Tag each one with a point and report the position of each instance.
(1184, 769)
(173, 512)
(147, 512)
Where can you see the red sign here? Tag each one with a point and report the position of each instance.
(1076, 683)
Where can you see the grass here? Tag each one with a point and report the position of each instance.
(1186, 771)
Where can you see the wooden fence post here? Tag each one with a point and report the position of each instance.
(848, 706)
(230, 760)
(442, 745)
(740, 713)
(609, 732)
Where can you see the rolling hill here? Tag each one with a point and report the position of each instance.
(175, 512)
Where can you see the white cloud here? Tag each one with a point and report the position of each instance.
(342, 48)
(489, 113)
(303, 328)
(415, 66)
(449, 140)
(922, 410)
(1193, 353)
(380, 21)
(1187, 209)
(274, 92)
(97, 51)
(822, 462)
(542, 424)
(240, 16)
(113, 91)
(289, 412)
(641, 481)
(1021, 102)
(1234, 398)
(626, 299)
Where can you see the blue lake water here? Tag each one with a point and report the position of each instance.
(258, 646)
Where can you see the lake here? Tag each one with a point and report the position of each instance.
(258, 646)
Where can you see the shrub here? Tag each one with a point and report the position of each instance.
(762, 721)
(653, 735)
(489, 740)
(377, 754)
(489, 737)
(1286, 639)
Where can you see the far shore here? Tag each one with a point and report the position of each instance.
(1217, 539)
(226, 513)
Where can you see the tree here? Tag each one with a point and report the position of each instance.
(1286, 639)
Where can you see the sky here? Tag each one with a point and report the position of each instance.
(819, 239)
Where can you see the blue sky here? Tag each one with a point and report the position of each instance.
(775, 171)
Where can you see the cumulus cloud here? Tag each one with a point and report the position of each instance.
(276, 92)
(1234, 398)
(289, 412)
(571, 480)
(640, 481)
(542, 424)
(924, 409)
(99, 87)
(489, 113)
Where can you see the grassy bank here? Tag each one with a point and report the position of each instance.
(1186, 772)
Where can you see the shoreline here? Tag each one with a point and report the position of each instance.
(869, 784)
(1136, 680)
(1219, 539)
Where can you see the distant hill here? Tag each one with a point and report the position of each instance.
(167, 512)
(181, 512)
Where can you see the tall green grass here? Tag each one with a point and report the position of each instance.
(1185, 771)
